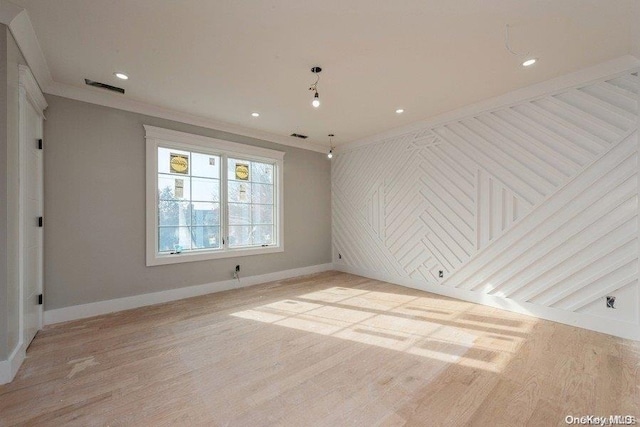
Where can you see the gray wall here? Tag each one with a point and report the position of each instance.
(95, 208)
(635, 30)
(10, 57)
(4, 303)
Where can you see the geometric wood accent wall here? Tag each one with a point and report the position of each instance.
(536, 202)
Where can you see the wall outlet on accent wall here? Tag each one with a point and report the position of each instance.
(611, 302)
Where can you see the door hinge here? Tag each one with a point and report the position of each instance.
(40, 299)
(40, 221)
(40, 144)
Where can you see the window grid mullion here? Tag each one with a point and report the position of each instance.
(195, 233)
(251, 205)
(157, 233)
(224, 211)
(190, 201)
(275, 197)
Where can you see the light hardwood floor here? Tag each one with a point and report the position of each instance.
(329, 349)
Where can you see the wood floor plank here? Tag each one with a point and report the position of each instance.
(327, 349)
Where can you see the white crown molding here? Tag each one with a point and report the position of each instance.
(587, 75)
(99, 97)
(29, 84)
(19, 23)
(82, 311)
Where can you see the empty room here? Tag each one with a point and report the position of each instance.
(319, 213)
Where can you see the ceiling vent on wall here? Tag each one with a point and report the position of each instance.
(104, 86)
(297, 135)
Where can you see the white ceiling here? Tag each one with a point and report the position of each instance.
(227, 58)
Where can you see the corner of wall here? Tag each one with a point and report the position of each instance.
(9, 368)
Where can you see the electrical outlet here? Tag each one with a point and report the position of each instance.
(440, 273)
(611, 302)
(237, 268)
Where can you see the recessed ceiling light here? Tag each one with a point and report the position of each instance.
(529, 62)
(255, 114)
(399, 111)
(121, 76)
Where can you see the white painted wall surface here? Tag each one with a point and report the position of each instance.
(532, 206)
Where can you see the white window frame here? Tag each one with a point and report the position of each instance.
(166, 138)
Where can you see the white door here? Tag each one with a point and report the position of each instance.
(32, 210)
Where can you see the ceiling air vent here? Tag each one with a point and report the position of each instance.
(103, 86)
(297, 135)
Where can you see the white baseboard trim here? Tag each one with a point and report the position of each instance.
(110, 306)
(616, 328)
(9, 368)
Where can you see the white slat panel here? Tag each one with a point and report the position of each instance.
(534, 202)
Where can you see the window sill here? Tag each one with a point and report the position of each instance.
(164, 259)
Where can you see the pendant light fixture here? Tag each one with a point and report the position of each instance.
(330, 154)
(314, 87)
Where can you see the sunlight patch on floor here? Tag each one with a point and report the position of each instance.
(420, 326)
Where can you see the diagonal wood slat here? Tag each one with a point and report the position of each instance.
(534, 202)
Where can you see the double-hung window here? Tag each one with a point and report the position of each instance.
(208, 198)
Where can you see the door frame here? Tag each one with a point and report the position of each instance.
(29, 92)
